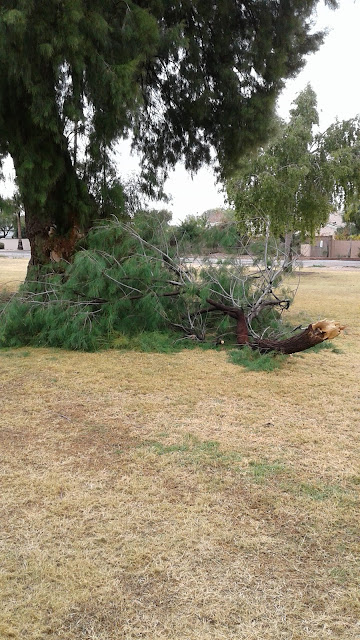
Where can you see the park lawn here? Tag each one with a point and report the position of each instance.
(181, 497)
(12, 273)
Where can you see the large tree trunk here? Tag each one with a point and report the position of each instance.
(58, 206)
(54, 228)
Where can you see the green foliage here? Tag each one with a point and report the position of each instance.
(256, 361)
(2, 246)
(351, 231)
(7, 217)
(292, 184)
(77, 76)
(198, 236)
(127, 288)
(150, 342)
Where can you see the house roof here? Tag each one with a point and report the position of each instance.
(335, 220)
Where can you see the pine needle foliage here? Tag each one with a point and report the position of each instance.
(131, 284)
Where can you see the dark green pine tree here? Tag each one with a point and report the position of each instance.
(183, 77)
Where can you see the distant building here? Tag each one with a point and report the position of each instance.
(335, 221)
(325, 245)
(217, 216)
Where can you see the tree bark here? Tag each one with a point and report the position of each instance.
(20, 243)
(58, 206)
(314, 334)
(288, 251)
(300, 342)
(242, 333)
(54, 228)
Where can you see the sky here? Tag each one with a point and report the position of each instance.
(333, 72)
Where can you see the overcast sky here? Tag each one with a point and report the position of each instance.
(333, 73)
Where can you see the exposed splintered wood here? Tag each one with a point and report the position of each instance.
(314, 334)
(311, 336)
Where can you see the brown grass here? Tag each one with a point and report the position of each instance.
(175, 497)
(12, 273)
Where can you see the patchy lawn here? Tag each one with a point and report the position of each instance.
(12, 273)
(175, 497)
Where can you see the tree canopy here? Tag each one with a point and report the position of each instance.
(182, 77)
(7, 216)
(293, 183)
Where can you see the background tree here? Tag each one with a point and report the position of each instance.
(340, 145)
(7, 220)
(286, 185)
(182, 77)
(19, 231)
(293, 183)
(198, 236)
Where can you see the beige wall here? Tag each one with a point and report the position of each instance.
(305, 250)
(10, 244)
(327, 247)
(345, 249)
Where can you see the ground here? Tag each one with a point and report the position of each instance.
(181, 497)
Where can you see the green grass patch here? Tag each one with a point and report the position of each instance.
(14, 353)
(194, 451)
(326, 345)
(320, 492)
(256, 361)
(264, 469)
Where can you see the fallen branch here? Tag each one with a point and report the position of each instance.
(242, 332)
(314, 334)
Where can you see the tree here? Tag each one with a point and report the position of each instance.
(7, 220)
(131, 279)
(293, 183)
(183, 78)
(203, 237)
(287, 185)
(341, 147)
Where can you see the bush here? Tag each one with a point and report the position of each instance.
(2, 246)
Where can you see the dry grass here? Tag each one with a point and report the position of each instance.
(12, 273)
(179, 497)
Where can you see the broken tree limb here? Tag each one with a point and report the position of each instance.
(242, 331)
(314, 334)
(256, 310)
